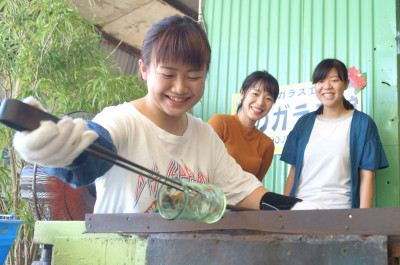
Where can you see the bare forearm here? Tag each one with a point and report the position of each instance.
(366, 188)
(252, 201)
(289, 181)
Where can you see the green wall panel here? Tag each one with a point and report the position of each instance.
(288, 38)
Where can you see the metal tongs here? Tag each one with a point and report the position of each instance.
(24, 117)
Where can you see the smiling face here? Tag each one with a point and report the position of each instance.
(256, 104)
(174, 61)
(173, 88)
(330, 90)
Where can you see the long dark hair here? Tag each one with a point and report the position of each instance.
(176, 38)
(269, 83)
(322, 70)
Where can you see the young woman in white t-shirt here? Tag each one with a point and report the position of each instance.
(154, 131)
(335, 150)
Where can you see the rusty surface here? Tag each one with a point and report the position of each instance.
(218, 249)
(394, 247)
(352, 236)
(376, 221)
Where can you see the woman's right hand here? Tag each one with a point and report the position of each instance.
(54, 145)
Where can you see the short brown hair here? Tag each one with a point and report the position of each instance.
(176, 38)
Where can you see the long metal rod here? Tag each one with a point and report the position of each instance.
(109, 156)
(114, 161)
(113, 157)
(24, 117)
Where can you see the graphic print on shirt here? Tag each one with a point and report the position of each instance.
(201, 178)
(152, 208)
(190, 174)
(176, 171)
(139, 189)
(151, 184)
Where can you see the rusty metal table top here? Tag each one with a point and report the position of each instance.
(375, 221)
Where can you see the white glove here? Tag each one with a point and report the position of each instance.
(33, 102)
(309, 205)
(54, 145)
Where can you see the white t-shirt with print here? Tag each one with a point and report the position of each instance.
(199, 155)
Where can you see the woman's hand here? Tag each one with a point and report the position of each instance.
(53, 145)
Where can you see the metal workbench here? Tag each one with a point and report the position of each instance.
(353, 236)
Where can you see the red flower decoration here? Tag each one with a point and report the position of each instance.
(353, 72)
(358, 82)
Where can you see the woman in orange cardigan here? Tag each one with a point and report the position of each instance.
(251, 148)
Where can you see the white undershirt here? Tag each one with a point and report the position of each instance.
(326, 174)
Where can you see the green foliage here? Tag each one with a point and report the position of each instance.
(48, 50)
(51, 52)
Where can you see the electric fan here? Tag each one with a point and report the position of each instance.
(50, 198)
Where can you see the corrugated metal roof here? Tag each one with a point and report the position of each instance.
(126, 62)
